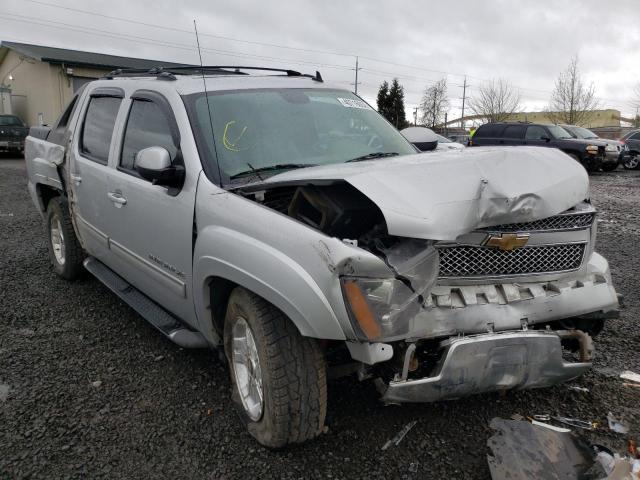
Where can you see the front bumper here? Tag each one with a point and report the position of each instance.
(473, 309)
(490, 362)
(11, 145)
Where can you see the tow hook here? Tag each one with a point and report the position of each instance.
(584, 341)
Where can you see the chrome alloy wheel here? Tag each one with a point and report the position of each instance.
(57, 239)
(246, 369)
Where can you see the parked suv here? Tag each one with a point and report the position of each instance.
(590, 153)
(13, 131)
(614, 149)
(287, 224)
(631, 158)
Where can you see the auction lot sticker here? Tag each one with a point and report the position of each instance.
(353, 103)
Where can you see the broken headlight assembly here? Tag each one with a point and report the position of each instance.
(384, 308)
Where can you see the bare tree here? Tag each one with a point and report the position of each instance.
(495, 101)
(434, 104)
(572, 101)
(635, 99)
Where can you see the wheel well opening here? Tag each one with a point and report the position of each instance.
(219, 291)
(46, 193)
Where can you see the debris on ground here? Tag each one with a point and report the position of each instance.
(96, 384)
(4, 392)
(578, 389)
(522, 450)
(617, 425)
(574, 422)
(629, 375)
(400, 435)
(631, 385)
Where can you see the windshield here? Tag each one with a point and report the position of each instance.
(10, 121)
(254, 130)
(558, 132)
(579, 132)
(442, 139)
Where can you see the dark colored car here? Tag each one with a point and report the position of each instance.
(13, 131)
(590, 153)
(631, 159)
(614, 149)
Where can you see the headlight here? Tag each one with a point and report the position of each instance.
(593, 149)
(611, 148)
(384, 308)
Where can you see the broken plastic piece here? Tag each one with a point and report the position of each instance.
(522, 451)
(578, 389)
(629, 375)
(550, 427)
(617, 425)
(400, 435)
(574, 422)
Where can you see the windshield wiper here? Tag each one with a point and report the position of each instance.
(370, 156)
(278, 166)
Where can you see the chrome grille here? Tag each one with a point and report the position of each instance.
(477, 261)
(558, 222)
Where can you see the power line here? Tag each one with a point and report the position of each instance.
(180, 30)
(151, 41)
(245, 55)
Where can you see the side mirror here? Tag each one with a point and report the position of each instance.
(423, 138)
(546, 139)
(154, 164)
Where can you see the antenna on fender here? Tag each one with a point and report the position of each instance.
(206, 96)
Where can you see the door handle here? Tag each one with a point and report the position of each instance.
(117, 198)
(76, 179)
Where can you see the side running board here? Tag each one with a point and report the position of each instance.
(157, 316)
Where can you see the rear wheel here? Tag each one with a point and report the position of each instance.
(278, 376)
(65, 250)
(631, 162)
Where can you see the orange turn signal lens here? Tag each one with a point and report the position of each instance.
(361, 310)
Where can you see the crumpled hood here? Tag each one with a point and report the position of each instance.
(440, 196)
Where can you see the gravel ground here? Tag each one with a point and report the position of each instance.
(88, 389)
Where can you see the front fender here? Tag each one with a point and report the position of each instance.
(267, 272)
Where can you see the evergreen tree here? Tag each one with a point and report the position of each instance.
(383, 99)
(396, 104)
(391, 103)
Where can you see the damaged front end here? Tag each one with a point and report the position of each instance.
(501, 291)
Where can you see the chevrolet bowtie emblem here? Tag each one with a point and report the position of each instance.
(507, 241)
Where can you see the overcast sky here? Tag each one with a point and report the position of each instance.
(527, 43)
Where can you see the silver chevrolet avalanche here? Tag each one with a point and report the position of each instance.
(284, 222)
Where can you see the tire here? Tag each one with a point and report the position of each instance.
(65, 251)
(631, 162)
(290, 368)
(609, 167)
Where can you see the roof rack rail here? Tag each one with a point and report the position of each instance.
(169, 73)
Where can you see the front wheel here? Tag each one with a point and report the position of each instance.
(609, 167)
(278, 376)
(631, 162)
(65, 251)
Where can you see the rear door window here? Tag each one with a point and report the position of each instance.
(97, 129)
(147, 126)
(514, 132)
(536, 132)
(489, 131)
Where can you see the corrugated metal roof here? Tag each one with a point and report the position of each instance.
(82, 59)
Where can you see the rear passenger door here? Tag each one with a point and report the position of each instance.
(89, 170)
(152, 226)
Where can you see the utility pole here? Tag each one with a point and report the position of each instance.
(356, 82)
(446, 115)
(415, 117)
(464, 97)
